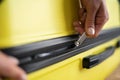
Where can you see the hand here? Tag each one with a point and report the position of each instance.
(93, 16)
(9, 68)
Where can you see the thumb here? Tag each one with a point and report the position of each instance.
(90, 23)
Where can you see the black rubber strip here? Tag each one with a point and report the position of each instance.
(57, 49)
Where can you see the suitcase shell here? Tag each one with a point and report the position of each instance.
(95, 59)
(27, 21)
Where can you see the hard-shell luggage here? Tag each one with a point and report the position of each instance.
(41, 35)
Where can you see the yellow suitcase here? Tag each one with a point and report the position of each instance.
(40, 34)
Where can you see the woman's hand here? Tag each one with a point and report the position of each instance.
(9, 68)
(92, 16)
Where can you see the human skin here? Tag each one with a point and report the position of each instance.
(93, 15)
(9, 68)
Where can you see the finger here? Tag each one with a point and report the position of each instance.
(10, 69)
(13, 59)
(78, 27)
(90, 24)
(9, 58)
(101, 18)
(14, 73)
(90, 19)
(81, 12)
(83, 18)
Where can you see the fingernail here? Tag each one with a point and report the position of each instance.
(24, 77)
(13, 59)
(80, 22)
(91, 31)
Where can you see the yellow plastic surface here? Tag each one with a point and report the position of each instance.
(71, 69)
(27, 21)
(114, 15)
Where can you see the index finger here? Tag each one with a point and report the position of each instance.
(102, 17)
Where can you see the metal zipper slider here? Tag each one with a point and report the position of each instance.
(81, 39)
(83, 36)
(80, 4)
